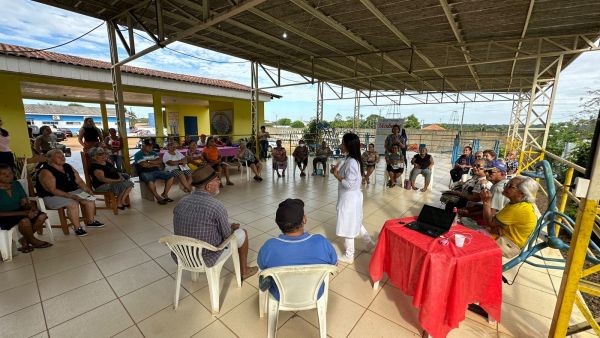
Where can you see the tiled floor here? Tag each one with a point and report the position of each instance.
(119, 281)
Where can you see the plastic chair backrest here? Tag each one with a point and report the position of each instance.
(188, 250)
(299, 285)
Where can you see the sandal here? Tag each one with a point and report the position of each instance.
(42, 245)
(252, 270)
(25, 249)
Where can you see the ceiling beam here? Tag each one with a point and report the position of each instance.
(529, 11)
(379, 15)
(182, 34)
(459, 38)
(346, 32)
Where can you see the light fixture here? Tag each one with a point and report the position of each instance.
(284, 35)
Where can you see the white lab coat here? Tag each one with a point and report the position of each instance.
(350, 200)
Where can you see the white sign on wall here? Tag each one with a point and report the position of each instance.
(384, 128)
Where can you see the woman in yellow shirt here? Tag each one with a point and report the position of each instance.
(514, 223)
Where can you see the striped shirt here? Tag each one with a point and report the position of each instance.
(201, 216)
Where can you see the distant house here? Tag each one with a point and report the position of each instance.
(434, 127)
(70, 117)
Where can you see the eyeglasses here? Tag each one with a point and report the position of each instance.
(508, 186)
(477, 167)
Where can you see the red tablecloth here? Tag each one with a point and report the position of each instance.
(223, 151)
(442, 279)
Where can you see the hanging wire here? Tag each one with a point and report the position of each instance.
(62, 44)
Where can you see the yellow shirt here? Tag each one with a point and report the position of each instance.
(517, 221)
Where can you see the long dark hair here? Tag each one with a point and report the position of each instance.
(352, 144)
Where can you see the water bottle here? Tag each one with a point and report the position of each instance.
(455, 211)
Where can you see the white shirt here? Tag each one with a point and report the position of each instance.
(498, 200)
(168, 157)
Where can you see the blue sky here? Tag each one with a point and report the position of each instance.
(51, 26)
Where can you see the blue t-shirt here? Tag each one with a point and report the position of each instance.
(140, 157)
(295, 250)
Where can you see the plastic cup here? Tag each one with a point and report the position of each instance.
(459, 240)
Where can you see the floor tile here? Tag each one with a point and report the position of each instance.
(104, 321)
(230, 294)
(471, 329)
(18, 298)
(524, 324)
(68, 280)
(23, 323)
(216, 329)
(76, 302)
(136, 277)
(155, 249)
(167, 263)
(122, 261)
(257, 242)
(189, 318)
(16, 277)
(66, 262)
(245, 322)
(394, 305)
(530, 278)
(373, 325)
(297, 327)
(151, 299)
(529, 299)
(111, 248)
(149, 236)
(248, 216)
(354, 286)
(17, 262)
(342, 314)
(132, 332)
(60, 248)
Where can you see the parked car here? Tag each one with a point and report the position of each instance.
(66, 131)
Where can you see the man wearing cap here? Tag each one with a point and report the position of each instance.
(148, 166)
(202, 141)
(294, 246)
(496, 173)
(201, 216)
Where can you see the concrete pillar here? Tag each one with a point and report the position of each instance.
(104, 114)
(158, 118)
(12, 113)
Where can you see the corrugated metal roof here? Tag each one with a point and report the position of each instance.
(50, 109)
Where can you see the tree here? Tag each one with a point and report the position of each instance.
(297, 124)
(371, 121)
(284, 122)
(130, 114)
(75, 105)
(411, 122)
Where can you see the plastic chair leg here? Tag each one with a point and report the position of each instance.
(236, 264)
(6, 244)
(273, 309)
(194, 276)
(322, 314)
(177, 287)
(214, 288)
(262, 300)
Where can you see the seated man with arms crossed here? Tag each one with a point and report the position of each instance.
(201, 216)
(294, 246)
(148, 166)
(516, 221)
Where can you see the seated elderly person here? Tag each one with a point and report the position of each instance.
(478, 155)
(496, 175)
(300, 155)
(105, 178)
(176, 164)
(247, 158)
(516, 221)
(469, 190)
(45, 141)
(201, 216)
(370, 158)
(194, 157)
(395, 165)
(16, 210)
(60, 186)
(294, 246)
(489, 155)
(279, 159)
(148, 166)
(202, 141)
(463, 164)
(213, 158)
(321, 156)
(422, 164)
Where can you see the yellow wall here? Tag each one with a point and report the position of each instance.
(201, 112)
(12, 113)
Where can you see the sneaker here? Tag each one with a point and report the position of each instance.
(161, 202)
(302, 174)
(229, 183)
(95, 224)
(346, 259)
(80, 232)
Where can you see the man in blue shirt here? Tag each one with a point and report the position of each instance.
(294, 246)
(148, 166)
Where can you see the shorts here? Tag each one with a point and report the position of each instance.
(179, 172)
(395, 171)
(57, 202)
(250, 162)
(9, 222)
(151, 176)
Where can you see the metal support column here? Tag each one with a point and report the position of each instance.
(356, 120)
(539, 112)
(117, 88)
(319, 102)
(254, 91)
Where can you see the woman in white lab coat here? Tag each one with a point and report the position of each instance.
(350, 198)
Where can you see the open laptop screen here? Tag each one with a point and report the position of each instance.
(436, 217)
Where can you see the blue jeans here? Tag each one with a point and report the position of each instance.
(151, 176)
(416, 172)
(264, 145)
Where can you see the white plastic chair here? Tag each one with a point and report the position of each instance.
(298, 287)
(6, 239)
(41, 207)
(189, 257)
(246, 167)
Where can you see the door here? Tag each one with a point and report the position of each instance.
(190, 125)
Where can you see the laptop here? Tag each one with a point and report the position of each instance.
(432, 221)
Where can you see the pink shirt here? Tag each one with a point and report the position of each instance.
(4, 143)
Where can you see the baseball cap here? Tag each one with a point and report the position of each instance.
(290, 211)
(498, 165)
(147, 142)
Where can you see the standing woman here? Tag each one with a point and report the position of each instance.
(6, 155)
(404, 140)
(113, 143)
(350, 198)
(89, 135)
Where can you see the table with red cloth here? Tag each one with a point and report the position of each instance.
(224, 151)
(442, 279)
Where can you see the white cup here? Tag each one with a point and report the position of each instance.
(460, 240)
